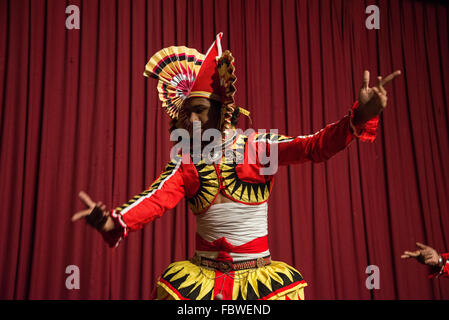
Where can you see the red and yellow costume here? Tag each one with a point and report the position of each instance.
(241, 181)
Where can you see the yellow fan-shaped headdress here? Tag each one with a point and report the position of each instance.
(176, 68)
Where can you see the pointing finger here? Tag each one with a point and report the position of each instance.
(391, 77)
(86, 199)
(365, 82)
(422, 246)
(413, 254)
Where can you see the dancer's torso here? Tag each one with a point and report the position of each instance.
(230, 230)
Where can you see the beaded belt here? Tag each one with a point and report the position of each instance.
(226, 266)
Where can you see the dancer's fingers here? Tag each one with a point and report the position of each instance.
(80, 214)
(86, 199)
(390, 77)
(422, 246)
(365, 82)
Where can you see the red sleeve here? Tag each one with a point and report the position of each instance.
(163, 194)
(320, 146)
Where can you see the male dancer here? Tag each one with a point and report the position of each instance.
(227, 186)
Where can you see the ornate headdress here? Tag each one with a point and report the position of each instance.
(184, 73)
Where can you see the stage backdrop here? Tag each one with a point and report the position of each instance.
(77, 114)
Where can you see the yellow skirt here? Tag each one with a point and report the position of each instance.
(184, 280)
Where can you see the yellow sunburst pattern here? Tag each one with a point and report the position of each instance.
(185, 280)
(270, 282)
(209, 187)
(236, 188)
(243, 191)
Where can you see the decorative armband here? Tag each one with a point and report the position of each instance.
(366, 131)
(442, 270)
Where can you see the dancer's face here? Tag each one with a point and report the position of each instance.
(205, 111)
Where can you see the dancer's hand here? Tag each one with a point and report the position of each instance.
(425, 255)
(108, 226)
(372, 101)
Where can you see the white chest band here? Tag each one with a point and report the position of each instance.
(239, 223)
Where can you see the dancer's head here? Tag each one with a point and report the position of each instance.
(196, 86)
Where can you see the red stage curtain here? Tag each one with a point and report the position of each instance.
(77, 114)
